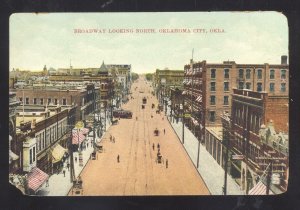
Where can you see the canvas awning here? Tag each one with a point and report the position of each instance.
(57, 153)
(259, 189)
(36, 178)
(77, 136)
(12, 156)
(84, 130)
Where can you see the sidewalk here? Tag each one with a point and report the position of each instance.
(211, 172)
(60, 185)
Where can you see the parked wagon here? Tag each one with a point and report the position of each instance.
(156, 132)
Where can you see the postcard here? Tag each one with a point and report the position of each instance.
(146, 104)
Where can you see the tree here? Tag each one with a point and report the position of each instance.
(134, 76)
(149, 76)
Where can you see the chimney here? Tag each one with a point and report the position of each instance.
(283, 60)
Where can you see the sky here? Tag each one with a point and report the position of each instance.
(50, 39)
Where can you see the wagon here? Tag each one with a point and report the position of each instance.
(156, 132)
(115, 122)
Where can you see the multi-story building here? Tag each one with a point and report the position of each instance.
(208, 87)
(66, 96)
(165, 80)
(252, 135)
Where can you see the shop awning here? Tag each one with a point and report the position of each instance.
(36, 178)
(77, 136)
(259, 189)
(13, 156)
(57, 153)
(84, 130)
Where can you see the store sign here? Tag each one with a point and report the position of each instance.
(237, 157)
(276, 178)
(187, 115)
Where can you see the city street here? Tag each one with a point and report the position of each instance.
(138, 171)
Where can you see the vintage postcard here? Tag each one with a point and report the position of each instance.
(144, 104)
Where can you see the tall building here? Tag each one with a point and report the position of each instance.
(208, 87)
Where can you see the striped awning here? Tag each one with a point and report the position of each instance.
(259, 189)
(77, 136)
(13, 156)
(84, 130)
(36, 178)
(199, 99)
(57, 153)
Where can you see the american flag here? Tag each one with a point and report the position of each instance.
(77, 136)
(259, 189)
(36, 178)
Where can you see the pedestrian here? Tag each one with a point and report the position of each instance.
(68, 166)
(64, 172)
(153, 146)
(164, 131)
(136, 118)
(47, 183)
(110, 138)
(87, 144)
(118, 158)
(113, 139)
(75, 159)
(166, 163)
(158, 146)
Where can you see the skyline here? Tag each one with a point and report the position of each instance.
(52, 39)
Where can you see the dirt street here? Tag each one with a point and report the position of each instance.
(138, 172)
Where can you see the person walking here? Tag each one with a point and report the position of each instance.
(153, 146)
(158, 146)
(113, 139)
(64, 172)
(47, 183)
(68, 165)
(166, 163)
(118, 158)
(75, 159)
(164, 131)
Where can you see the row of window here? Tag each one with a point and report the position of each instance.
(53, 133)
(247, 85)
(32, 155)
(248, 73)
(213, 100)
(41, 101)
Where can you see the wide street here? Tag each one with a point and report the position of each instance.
(138, 172)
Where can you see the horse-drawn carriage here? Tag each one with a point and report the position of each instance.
(114, 122)
(77, 186)
(99, 148)
(153, 106)
(156, 132)
(144, 100)
(159, 158)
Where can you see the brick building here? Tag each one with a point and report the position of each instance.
(208, 87)
(255, 116)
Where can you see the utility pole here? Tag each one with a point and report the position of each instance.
(182, 118)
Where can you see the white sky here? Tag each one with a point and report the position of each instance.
(49, 39)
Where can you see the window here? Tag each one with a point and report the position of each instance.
(259, 74)
(272, 87)
(64, 101)
(49, 101)
(212, 86)
(55, 101)
(226, 86)
(21, 99)
(33, 154)
(226, 73)
(212, 100)
(259, 86)
(241, 85)
(30, 156)
(27, 101)
(248, 85)
(213, 73)
(212, 116)
(248, 73)
(241, 73)
(34, 101)
(272, 74)
(283, 87)
(283, 74)
(226, 101)
(42, 101)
